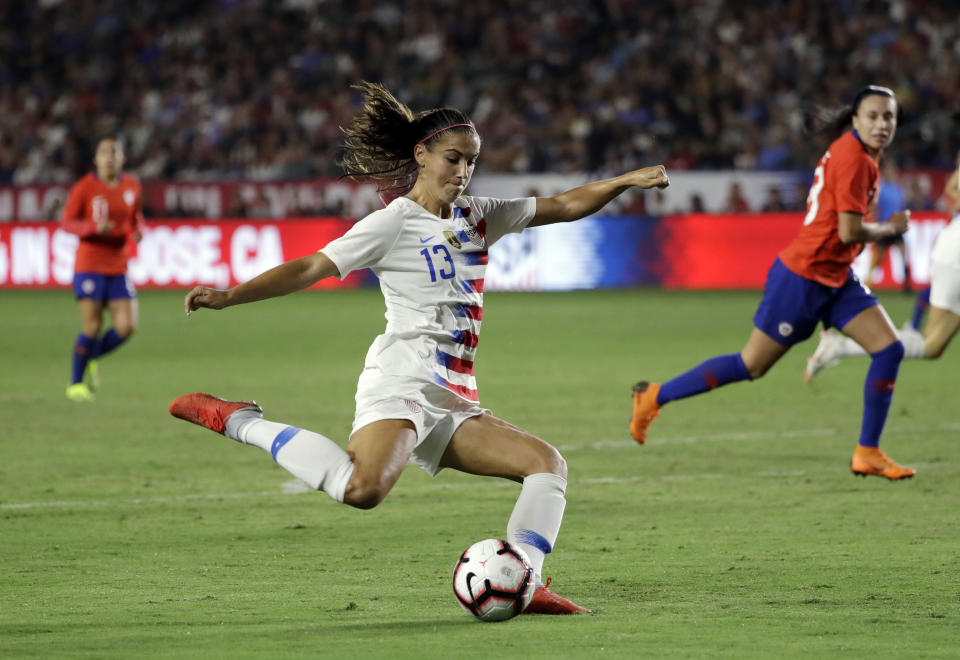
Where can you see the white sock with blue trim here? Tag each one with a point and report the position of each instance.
(535, 521)
(309, 456)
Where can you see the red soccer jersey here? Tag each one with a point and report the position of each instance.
(90, 200)
(846, 180)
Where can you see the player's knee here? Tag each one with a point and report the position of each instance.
(124, 330)
(896, 351)
(757, 370)
(364, 493)
(548, 460)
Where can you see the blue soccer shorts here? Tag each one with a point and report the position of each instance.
(102, 288)
(793, 305)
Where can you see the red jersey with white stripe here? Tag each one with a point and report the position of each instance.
(91, 200)
(431, 273)
(846, 180)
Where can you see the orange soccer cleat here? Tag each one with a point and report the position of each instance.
(546, 602)
(207, 410)
(870, 460)
(645, 409)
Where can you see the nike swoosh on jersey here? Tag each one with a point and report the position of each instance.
(424, 240)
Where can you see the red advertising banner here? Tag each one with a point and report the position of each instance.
(705, 251)
(173, 254)
(696, 251)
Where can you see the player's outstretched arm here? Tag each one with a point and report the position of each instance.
(590, 198)
(285, 278)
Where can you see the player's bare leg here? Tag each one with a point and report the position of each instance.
(760, 353)
(124, 313)
(940, 330)
(488, 446)
(379, 452)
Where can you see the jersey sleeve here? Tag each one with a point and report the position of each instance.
(505, 216)
(853, 179)
(71, 219)
(366, 243)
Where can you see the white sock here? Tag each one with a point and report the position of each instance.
(309, 456)
(913, 345)
(535, 521)
(911, 339)
(847, 347)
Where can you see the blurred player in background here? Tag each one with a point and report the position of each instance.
(104, 210)
(812, 281)
(942, 298)
(890, 200)
(417, 397)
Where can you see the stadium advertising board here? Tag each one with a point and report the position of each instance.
(707, 251)
(173, 254)
(694, 251)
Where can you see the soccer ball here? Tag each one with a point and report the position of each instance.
(493, 580)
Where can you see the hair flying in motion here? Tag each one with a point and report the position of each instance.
(379, 143)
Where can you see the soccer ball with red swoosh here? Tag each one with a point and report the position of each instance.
(493, 580)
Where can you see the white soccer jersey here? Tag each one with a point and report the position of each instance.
(431, 273)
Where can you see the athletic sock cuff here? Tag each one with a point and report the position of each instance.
(548, 480)
(894, 352)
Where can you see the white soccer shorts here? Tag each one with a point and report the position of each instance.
(435, 411)
(945, 287)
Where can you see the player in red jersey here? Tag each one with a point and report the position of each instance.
(812, 281)
(942, 298)
(105, 211)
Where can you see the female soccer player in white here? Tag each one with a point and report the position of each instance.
(417, 396)
(944, 303)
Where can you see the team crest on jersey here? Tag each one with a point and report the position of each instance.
(452, 239)
(128, 197)
(785, 329)
(474, 235)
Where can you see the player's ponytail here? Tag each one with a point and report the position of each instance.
(379, 143)
(834, 121)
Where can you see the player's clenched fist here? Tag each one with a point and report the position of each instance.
(651, 177)
(202, 296)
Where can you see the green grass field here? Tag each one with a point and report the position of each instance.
(737, 531)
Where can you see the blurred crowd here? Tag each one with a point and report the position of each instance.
(257, 89)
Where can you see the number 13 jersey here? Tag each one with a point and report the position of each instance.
(431, 272)
(846, 180)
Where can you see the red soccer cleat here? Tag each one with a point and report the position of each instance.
(207, 410)
(546, 602)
